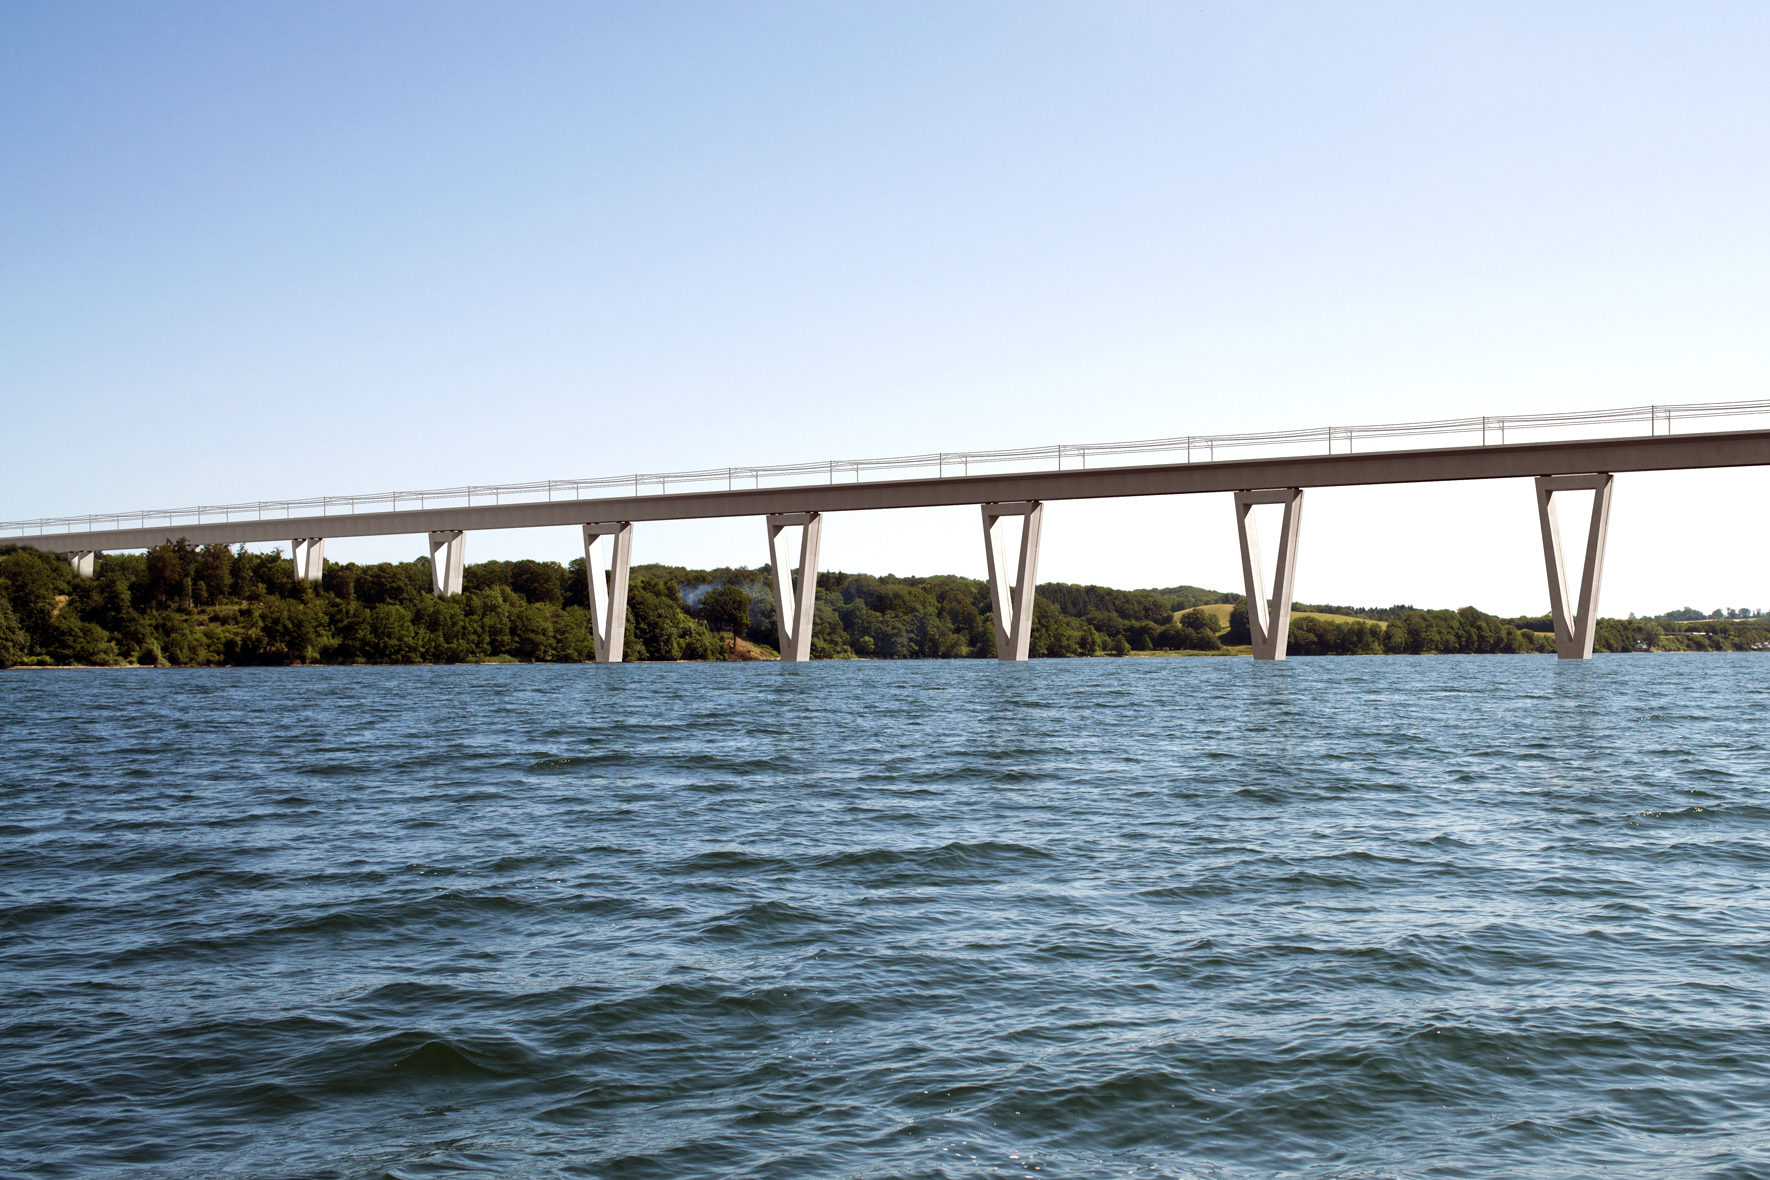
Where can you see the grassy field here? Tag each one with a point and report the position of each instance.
(1221, 611)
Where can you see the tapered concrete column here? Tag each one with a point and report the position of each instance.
(310, 558)
(608, 589)
(1271, 629)
(84, 561)
(795, 598)
(1013, 606)
(448, 563)
(1574, 636)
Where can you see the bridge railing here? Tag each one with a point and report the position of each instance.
(1192, 448)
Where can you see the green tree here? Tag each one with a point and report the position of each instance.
(106, 600)
(829, 639)
(1199, 620)
(1140, 634)
(392, 638)
(1197, 631)
(386, 583)
(345, 638)
(539, 581)
(699, 643)
(34, 582)
(493, 611)
(449, 637)
(339, 579)
(961, 611)
(532, 632)
(170, 568)
(289, 630)
(14, 643)
(727, 608)
(181, 645)
(212, 573)
(1053, 635)
(1079, 602)
(658, 623)
(573, 639)
(1240, 630)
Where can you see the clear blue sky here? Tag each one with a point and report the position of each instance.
(256, 251)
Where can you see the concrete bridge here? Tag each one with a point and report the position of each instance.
(1556, 466)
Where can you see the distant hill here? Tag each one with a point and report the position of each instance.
(1187, 597)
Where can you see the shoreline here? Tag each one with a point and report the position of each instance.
(1237, 655)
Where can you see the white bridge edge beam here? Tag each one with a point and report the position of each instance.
(84, 561)
(795, 599)
(608, 587)
(1270, 630)
(1574, 636)
(1014, 617)
(309, 556)
(448, 562)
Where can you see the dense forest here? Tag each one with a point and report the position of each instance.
(187, 606)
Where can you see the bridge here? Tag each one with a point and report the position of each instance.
(1005, 484)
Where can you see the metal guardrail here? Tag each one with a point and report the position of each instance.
(1202, 448)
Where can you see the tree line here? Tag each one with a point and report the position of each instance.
(1405, 631)
(184, 605)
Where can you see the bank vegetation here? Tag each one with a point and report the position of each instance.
(188, 606)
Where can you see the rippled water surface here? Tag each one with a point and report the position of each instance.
(1182, 917)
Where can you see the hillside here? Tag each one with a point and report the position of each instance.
(181, 605)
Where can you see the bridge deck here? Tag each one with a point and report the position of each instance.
(1504, 461)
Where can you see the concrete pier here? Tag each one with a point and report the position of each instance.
(84, 561)
(1013, 605)
(448, 562)
(309, 554)
(1574, 635)
(607, 587)
(1271, 629)
(795, 597)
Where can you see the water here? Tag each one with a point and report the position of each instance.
(1187, 917)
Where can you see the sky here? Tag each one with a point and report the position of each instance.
(257, 251)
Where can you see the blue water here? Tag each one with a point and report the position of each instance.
(1187, 917)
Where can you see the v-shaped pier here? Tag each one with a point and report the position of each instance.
(1271, 628)
(1574, 634)
(795, 595)
(1013, 605)
(608, 589)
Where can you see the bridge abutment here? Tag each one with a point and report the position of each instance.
(309, 555)
(448, 562)
(1013, 605)
(608, 587)
(795, 597)
(1574, 634)
(1270, 628)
